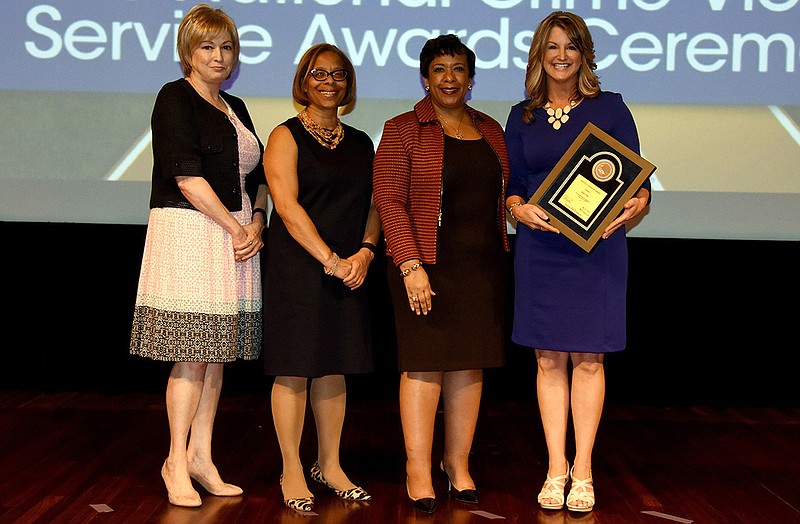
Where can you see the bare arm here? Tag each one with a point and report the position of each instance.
(199, 193)
(280, 166)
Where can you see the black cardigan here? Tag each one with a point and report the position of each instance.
(191, 137)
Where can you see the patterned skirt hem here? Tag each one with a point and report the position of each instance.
(195, 337)
(163, 357)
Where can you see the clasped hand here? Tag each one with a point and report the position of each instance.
(359, 264)
(353, 270)
(246, 246)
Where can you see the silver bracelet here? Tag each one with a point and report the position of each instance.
(330, 270)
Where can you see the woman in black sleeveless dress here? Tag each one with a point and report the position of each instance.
(321, 237)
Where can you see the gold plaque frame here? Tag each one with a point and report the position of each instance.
(589, 186)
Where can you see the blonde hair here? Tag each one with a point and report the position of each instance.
(535, 76)
(305, 65)
(201, 22)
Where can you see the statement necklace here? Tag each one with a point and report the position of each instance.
(329, 138)
(560, 115)
(456, 129)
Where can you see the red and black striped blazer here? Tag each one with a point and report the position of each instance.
(407, 179)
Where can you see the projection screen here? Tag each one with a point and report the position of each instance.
(712, 84)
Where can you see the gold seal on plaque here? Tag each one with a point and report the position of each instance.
(603, 170)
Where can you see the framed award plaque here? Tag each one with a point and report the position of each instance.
(589, 186)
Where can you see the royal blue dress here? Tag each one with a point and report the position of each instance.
(566, 299)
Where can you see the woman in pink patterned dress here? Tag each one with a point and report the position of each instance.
(199, 298)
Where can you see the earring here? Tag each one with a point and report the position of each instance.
(469, 87)
(427, 88)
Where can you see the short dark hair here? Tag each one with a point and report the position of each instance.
(449, 45)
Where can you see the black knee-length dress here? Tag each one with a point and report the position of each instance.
(465, 327)
(314, 325)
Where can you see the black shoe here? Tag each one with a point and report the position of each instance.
(468, 496)
(426, 504)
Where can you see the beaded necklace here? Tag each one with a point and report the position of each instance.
(329, 138)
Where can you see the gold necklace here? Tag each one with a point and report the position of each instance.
(560, 115)
(456, 129)
(329, 138)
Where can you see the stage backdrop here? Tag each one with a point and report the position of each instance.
(713, 85)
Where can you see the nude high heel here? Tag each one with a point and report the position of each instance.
(227, 490)
(191, 500)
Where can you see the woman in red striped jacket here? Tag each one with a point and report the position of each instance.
(439, 178)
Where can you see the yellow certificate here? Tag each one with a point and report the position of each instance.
(582, 197)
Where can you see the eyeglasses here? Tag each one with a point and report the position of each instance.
(338, 75)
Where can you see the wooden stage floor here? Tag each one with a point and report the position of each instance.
(94, 457)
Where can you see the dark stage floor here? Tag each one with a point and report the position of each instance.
(93, 457)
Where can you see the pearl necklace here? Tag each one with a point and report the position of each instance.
(329, 138)
(456, 129)
(559, 115)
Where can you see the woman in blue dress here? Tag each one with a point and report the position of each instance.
(569, 305)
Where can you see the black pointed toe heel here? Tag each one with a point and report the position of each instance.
(425, 504)
(468, 496)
